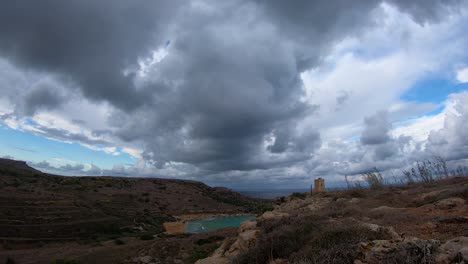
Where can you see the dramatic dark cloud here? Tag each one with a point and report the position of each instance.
(228, 94)
(424, 11)
(88, 43)
(44, 96)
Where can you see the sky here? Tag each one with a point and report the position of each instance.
(238, 93)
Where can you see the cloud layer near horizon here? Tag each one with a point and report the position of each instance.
(244, 90)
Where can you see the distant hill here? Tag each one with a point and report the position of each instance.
(36, 206)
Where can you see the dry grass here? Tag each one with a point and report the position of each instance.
(310, 238)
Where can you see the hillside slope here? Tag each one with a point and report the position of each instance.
(35, 206)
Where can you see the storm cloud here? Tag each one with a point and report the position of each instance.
(214, 85)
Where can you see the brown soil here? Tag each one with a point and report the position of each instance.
(175, 227)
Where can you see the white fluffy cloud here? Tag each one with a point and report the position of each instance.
(462, 75)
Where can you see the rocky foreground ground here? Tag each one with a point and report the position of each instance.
(421, 223)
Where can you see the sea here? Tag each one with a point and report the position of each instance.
(271, 193)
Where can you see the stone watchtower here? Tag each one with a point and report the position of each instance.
(319, 185)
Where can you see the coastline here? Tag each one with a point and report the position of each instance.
(179, 227)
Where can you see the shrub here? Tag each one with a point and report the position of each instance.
(208, 240)
(427, 171)
(374, 179)
(298, 195)
(198, 254)
(310, 239)
(357, 193)
(72, 181)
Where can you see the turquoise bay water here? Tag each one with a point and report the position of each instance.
(215, 223)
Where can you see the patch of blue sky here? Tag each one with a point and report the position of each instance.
(28, 146)
(433, 90)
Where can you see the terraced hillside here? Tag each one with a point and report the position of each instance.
(36, 207)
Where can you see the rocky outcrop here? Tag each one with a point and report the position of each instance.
(272, 215)
(388, 230)
(396, 249)
(247, 237)
(245, 240)
(408, 250)
(454, 251)
(413, 250)
(445, 204)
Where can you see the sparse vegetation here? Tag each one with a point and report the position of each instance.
(197, 254)
(307, 237)
(428, 171)
(298, 195)
(72, 181)
(374, 179)
(208, 240)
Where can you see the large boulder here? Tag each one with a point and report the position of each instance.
(247, 237)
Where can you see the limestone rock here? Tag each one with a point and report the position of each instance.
(244, 241)
(451, 249)
(213, 260)
(450, 203)
(463, 254)
(389, 230)
(409, 250)
(316, 204)
(445, 204)
(273, 214)
(247, 225)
